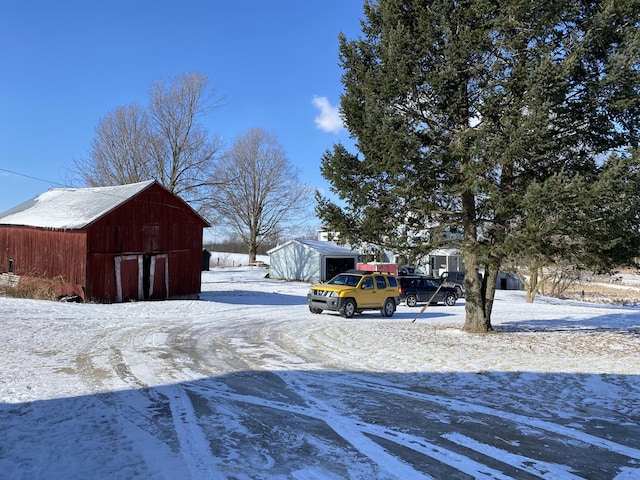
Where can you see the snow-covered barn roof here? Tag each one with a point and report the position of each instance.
(320, 246)
(70, 208)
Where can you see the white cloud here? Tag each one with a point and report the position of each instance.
(329, 118)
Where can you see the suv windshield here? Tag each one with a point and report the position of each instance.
(343, 279)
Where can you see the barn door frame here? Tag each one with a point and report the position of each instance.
(141, 274)
(118, 261)
(152, 273)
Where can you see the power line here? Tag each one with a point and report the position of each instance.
(32, 178)
(97, 192)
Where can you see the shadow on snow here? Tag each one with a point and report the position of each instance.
(333, 424)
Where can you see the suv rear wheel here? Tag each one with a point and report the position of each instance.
(411, 300)
(389, 308)
(349, 308)
(450, 299)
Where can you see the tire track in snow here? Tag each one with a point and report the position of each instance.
(535, 467)
(349, 429)
(137, 362)
(151, 351)
(260, 346)
(254, 343)
(356, 432)
(193, 441)
(443, 455)
(468, 407)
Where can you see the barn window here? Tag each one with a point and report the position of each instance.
(10, 270)
(151, 238)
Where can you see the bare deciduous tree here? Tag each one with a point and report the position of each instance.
(257, 192)
(118, 151)
(165, 141)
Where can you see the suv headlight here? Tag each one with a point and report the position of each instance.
(333, 294)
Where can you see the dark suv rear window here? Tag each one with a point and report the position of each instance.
(409, 282)
(418, 282)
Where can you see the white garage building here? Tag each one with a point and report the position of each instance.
(310, 260)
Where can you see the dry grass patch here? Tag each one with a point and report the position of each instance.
(618, 294)
(34, 288)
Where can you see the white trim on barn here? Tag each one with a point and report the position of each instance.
(139, 259)
(310, 260)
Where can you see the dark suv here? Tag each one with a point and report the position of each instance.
(455, 280)
(414, 289)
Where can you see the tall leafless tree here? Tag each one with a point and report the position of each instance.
(164, 141)
(258, 193)
(119, 151)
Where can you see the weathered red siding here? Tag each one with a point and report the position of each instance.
(151, 224)
(149, 247)
(43, 253)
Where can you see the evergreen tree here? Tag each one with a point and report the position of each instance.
(589, 222)
(458, 108)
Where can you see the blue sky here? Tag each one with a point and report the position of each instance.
(65, 65)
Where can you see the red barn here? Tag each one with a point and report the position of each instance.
(106, 244)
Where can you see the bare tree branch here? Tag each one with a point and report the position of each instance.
(257, 191)
(165, 141)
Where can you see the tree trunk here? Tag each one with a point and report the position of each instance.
(532, 287)
(478, 304)
(490, 282)
(252, 245)
(479, 294)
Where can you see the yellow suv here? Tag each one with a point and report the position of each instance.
(354, 291)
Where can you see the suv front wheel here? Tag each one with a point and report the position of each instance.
(349, 308)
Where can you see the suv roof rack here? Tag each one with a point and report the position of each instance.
(363, 272)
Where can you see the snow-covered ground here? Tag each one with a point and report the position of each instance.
(248, 384)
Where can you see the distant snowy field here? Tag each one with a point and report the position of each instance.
(246, 383)
(226, 259)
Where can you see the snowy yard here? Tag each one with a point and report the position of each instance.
(248, 384)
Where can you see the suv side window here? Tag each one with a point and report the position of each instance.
(380, 283)
(367, 283)
(392, 281)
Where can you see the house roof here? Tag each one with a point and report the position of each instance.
(70, 208)
(320, 246)
(446, 252)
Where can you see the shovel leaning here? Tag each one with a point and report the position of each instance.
(428, 303)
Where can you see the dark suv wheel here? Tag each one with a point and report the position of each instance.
(450, 299)
(411, 300)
